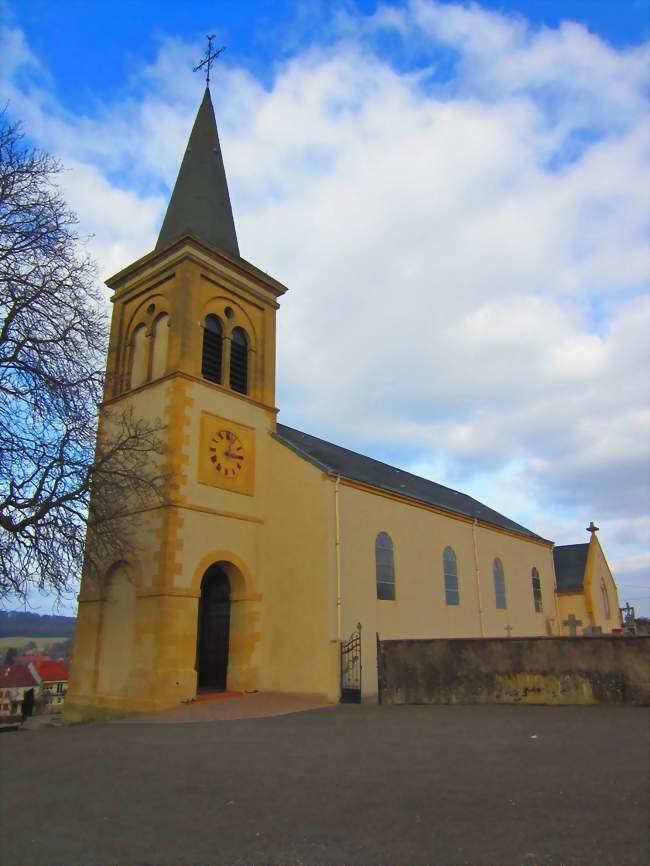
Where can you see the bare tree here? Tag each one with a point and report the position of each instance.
(53, 338)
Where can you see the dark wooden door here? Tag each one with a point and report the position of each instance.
(214, 624)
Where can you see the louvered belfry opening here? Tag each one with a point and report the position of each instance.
(239, 361)
(212, 349)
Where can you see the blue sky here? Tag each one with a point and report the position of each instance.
(457, 192)
(92, 49)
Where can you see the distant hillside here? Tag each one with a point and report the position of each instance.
(20, 624)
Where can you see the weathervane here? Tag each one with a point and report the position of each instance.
(209, 58)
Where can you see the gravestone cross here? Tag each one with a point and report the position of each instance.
(628, 614)
(508, 628)
(572, 624)
(592, 631)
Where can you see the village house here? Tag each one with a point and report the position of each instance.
(47, 678)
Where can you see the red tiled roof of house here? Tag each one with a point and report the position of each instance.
(50, 671)
(16, 676)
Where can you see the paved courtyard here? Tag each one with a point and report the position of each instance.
(479, 786)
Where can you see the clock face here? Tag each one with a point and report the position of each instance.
(227, 453)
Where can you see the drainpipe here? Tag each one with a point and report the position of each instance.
(478, 579)
(338, 558)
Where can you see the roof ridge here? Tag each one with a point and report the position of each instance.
(576, 544)
(380, 462)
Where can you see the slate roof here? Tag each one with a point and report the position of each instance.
(570, 561)
(200, 202)
(336, 460)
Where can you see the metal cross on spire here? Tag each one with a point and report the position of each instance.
(210, 57)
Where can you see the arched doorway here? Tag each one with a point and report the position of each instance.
(214, 629)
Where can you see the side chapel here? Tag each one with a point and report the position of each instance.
(277, 543)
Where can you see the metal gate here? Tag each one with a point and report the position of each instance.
(351, 668)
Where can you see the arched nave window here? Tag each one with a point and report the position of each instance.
(212, 349)
(452, 595)
(499, 584)
(537, 590)
(605, 595)
(239, 361)
(385, 567)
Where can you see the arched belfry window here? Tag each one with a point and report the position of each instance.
(385, 567)
(139, 357)
(452, 594)
(499, 584)
(537, 591)
(239, 361)
(212, 349)
(160, 335)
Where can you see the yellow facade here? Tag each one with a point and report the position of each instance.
(597, 604)
(293, 542)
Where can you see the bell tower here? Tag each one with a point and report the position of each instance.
(192, 343)
(195, 291)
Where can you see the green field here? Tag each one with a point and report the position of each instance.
(20, 641)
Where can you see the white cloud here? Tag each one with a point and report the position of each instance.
(120, 224)
(467, 256)
(592, 81)
(633, 579)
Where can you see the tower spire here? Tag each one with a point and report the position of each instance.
(200, 202)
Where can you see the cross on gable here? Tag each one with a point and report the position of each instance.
(572, 624)
(592, 528)
(210, 57)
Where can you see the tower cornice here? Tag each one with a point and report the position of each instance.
(185, 247)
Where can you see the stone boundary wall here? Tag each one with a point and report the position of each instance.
(529, 670)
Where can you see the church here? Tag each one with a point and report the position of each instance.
(276, 546)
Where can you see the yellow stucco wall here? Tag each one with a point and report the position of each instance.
(600, 574)
(115, 657)
(573, 604)
(105, 643)
(300, 645)
(277, 545)
(419, 537)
